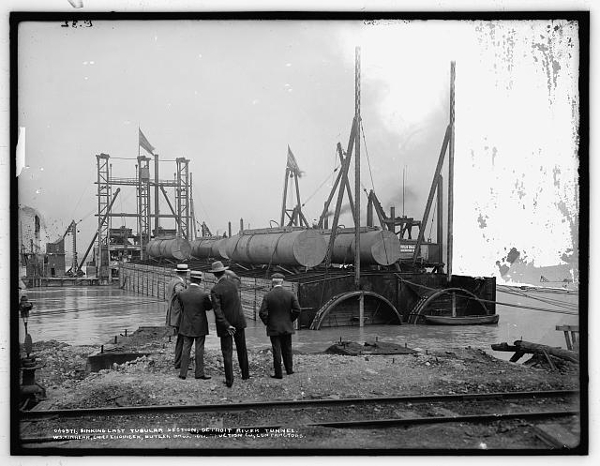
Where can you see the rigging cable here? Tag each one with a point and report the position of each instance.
(202, 205)
(320, 186)
(520, 306)
(373, 185)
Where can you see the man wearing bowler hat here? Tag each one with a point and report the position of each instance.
(194, 324)
(175, 286)
(278, 311)
(230, 321)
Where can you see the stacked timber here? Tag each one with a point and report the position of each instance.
(377, 247)
(178, 249)
(306, 248)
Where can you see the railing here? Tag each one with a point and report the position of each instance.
(149, 280)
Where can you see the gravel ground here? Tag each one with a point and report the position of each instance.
(151, 380)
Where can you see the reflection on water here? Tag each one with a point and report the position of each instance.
(94, 315)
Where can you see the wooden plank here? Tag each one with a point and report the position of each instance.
(537, 348)
(556, 435)
(567, 328)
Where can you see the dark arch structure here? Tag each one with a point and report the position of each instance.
(337, 302)
(423, 306)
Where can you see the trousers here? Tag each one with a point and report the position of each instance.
(282, 347)
(198, 355)
(242, 354)
(178, 350)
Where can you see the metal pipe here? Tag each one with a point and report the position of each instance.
(305, 248)
(211, 247)
(377, 247)
(172, 248)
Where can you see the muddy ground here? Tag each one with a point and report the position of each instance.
(152, 380)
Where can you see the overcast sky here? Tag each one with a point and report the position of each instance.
(232, 95)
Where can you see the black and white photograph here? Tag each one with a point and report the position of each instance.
(241, 233)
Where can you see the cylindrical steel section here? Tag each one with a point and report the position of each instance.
(376, 247)
(305, 248)
(219, 249)
(202, 247)
(173, 248)
(209, 248)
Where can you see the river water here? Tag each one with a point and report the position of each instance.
(94, 315)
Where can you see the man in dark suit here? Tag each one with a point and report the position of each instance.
(230, 321)
(193, 326)
(278, 311)
(173, 318)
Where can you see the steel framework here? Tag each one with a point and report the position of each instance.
(144, 183)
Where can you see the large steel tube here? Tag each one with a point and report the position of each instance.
(172, 248)
(380, 247)
(209, 248)
(219, 249)
(305, 248)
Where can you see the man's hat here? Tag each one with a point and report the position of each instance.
(218, 267)
(277, 276)
(196, 275)
(181, 268)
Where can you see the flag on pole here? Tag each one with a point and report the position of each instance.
(145, 144)
(292, 164)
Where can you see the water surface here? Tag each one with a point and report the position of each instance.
(94, 315)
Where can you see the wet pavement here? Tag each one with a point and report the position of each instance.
(94, 315)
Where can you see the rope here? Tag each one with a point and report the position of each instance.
(201, 204)
(532, 308)
(367, 154)
(321, 185)
(372, 182)
(81, 197)
(555, 302)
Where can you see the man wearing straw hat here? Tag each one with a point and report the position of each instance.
(278, 311)
(230, 321)
(175, 286)
(194, 324)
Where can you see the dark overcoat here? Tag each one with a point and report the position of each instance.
(194, 304)
(278, 310)
(227, 306)
(173, 316)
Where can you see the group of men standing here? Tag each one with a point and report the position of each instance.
(186, 313)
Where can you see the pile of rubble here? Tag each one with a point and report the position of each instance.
(151, 379)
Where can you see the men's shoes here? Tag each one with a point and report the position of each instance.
(290, 372)
(182, 378)
(277, 376)
(229, 385)
(245, 378)
(204, 377)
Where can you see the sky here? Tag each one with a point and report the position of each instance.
(231, 96)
